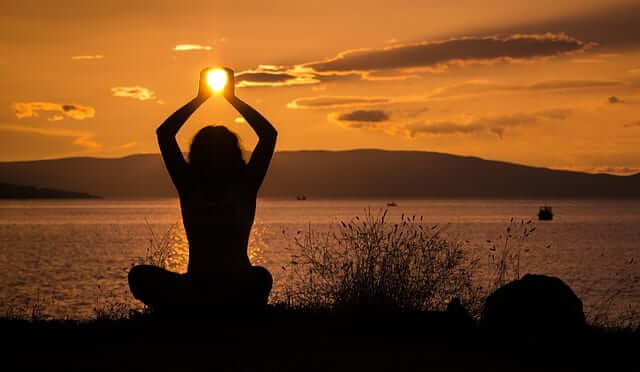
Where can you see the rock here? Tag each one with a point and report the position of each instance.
(533, 305)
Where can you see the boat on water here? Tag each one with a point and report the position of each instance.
(545, 213)
(392, 204)
(301, 197)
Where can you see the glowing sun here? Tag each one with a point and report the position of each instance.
(217, 79)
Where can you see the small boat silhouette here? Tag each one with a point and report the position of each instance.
(545, 213)
(301, 197)
(392, 204)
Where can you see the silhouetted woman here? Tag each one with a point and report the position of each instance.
(217, 191)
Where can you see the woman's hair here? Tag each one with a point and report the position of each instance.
(215, 156)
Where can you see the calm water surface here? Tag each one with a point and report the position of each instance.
(74, 255)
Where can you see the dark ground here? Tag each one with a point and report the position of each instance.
(306, 341)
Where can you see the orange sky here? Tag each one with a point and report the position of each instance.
(553, 84)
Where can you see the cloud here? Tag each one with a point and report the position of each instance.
(460, 51)
(56, 117)
(473, 87)
(496, 125)
(324, 102)
(633, 125)
(136, 92)
(128, 145)
(83, 139)
(274, 76)
(404, 61)
(364, 115)
(587, 60)
(615, 27)
(190, 47)
(614, 100)
(572, 84)
(88, 57)
(74, 111)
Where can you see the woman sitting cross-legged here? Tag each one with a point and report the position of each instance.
(217, 191)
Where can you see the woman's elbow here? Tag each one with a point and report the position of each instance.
(270, 135)
(274, 136)
(163, 132)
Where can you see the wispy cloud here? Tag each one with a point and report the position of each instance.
(83, 139)
(56, 117)
(364, 115)
(474, 87)
(88, 57)
(635, 124)
(33, 109)
(136, 92)
(614, 100)
(496, 125)
(128, 145)
(587, 60)
(467, 88)
(274, 76)
(328, 102)
(191, 47)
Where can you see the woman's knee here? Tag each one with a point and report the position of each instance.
(136, 276)
(140, 277)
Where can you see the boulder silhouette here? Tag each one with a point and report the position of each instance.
(535, 304)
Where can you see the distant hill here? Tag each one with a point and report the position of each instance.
(335, 174)
(9, 191)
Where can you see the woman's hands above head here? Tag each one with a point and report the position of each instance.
(204, 91)
(229, 89)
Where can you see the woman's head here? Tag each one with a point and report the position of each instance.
(216, 154)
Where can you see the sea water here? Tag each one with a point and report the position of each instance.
(70, 257)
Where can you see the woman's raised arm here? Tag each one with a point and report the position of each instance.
(267, 134)
(166, 132)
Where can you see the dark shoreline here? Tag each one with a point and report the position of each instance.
(21, 192)
(295, 340)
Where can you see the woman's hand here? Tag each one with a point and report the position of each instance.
(204, 91)
(229, 89)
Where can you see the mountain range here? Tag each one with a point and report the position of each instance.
(334, 174)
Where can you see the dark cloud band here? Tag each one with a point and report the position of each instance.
(364, 115)
(432, 54)
(398, 61)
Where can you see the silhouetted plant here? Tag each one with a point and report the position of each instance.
(370, 262)
(161, 249)
(602, 315)
(110, 307)
(27, 309)
(505, 253)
